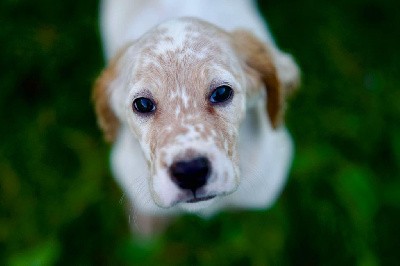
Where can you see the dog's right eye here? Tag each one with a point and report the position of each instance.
(144, 105)
(221, 94)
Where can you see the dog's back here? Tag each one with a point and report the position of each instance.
(126, 20)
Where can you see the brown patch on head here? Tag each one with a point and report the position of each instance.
(210, 109)
(106, 118)
(259, 62)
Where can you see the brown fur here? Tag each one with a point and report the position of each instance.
(106, 118)
(258, 58)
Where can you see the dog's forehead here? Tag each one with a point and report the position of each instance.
(185, 42)
(187, 33)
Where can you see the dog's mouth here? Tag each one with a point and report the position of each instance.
(198, 199)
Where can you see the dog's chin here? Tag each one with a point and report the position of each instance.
(198, 204)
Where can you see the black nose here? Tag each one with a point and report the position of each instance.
(191, 174)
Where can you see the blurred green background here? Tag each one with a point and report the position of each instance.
(341, 206)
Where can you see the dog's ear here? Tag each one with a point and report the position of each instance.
(276, 70)
(106, 118)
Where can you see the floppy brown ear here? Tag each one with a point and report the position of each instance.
(261, 62)
(106, 118)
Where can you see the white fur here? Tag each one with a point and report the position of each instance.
(125, 20)
(265, 154)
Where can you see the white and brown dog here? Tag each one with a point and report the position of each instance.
(193, 100)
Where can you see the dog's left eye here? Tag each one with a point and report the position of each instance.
(221, 94)
(143, 105)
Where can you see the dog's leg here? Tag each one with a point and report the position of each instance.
(145, 225)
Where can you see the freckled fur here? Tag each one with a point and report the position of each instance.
(177, 64)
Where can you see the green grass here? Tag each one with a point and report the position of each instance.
(341, 206)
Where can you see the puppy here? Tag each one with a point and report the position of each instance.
(193, 99)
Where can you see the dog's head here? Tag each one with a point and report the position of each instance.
(182, 90)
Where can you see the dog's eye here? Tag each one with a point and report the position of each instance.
(144, 105)
(221, 94)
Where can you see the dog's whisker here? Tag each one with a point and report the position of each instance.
(133, 217)
(132, 213)
(121, 200)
